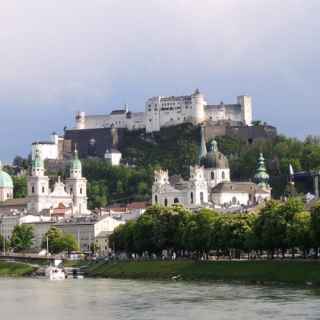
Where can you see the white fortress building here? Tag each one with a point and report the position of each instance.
(167, 111)
(48, 149)
(72, 194)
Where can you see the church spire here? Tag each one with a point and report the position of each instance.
(37, 164)
(261, 177)
(75, 165)
(203, 147)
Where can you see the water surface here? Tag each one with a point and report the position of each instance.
(33, 299)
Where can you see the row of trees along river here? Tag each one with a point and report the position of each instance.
(279, 228)
(22, 240)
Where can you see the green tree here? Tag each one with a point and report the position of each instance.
(299, 231)
(271, 227)
(58, 241)
(4, 243)
(199, 232)
(22, 237)
(20, 186)
(315, 226)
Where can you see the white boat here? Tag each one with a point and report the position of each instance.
(55, 273)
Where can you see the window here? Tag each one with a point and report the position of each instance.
(80, 190)
(223, 175)
(191, 197)
(176, 200)
(43, 189)
(212, 175)
(32, 189)
(234, 200)
(201, 197)
(166, 202)
(156, 199)
(71, 190)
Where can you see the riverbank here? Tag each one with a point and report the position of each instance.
(15, 269)
(290, 272)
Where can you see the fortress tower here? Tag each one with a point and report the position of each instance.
(246, 109)
(198, 113)
(80, 120)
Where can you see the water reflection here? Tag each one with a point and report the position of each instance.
(32, 299)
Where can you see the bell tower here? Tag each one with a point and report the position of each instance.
(76, 186)
(38, 185)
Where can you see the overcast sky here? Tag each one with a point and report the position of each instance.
(59, 56)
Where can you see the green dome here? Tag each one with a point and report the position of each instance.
(37, 163)
(5, 179)
(75, 162)
(214, 158)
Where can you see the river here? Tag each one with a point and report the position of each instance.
(35, 299)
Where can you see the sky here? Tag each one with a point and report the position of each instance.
(58, 57)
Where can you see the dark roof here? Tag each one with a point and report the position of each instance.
(42, 142)
(227, 106)
(14, 202)
(237, 187)
(178, 183)
(118, 112)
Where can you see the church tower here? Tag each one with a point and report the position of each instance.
(198, 193)
(76, 186)
(262, 177)
(38, 185)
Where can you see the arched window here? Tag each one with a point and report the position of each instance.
(166, 202)
(212, 175)
(156, 199)
(191, 197)
(32, 189)
(176, 200)
(80, 190)
(43, 189)
(201, 197)
(223, 175)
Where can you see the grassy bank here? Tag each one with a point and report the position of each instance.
(293, 272)
(13, 269)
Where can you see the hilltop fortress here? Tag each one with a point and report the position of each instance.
(104, 136)
(169, 111)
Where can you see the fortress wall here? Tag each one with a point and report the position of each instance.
(92, 142)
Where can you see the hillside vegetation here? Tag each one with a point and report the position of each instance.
(176, 148)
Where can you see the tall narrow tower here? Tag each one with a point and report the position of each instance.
(38, 185)
(198, 103)
(76, 186)
(246, 109)
(203, 147)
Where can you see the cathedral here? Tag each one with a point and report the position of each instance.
(6, 186)
(70, 194)
(209, 184)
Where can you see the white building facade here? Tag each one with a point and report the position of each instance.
(209, 184)
(48, 149)
(91, 231)
(167, 111)
(71, 194)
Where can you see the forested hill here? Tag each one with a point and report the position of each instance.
(176, 148)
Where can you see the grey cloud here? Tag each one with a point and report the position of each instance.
(59, 56)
